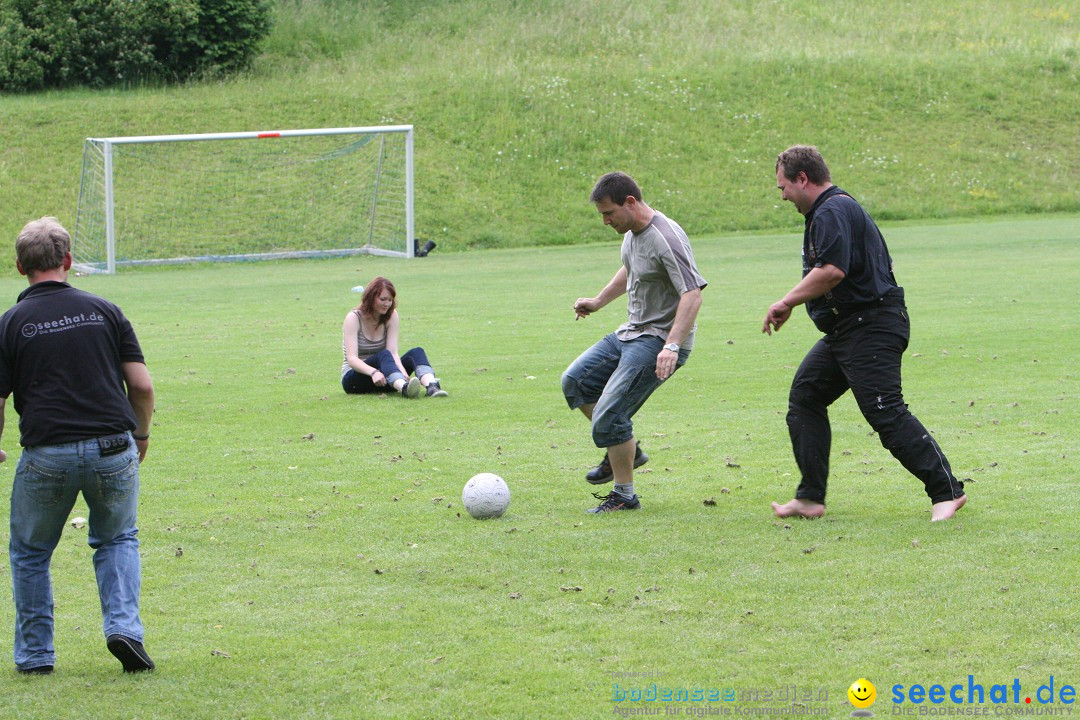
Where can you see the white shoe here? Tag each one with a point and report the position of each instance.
(411, 389)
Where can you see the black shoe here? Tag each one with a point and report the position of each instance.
(602, 473)
(39, 670)
(130, 653)
(614, 501)
(433, 389)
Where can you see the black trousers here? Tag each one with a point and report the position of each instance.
(863, 353)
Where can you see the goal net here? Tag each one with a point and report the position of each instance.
(245, 196)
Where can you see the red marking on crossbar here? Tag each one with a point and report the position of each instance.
(268, 135)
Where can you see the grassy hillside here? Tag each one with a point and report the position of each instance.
(924, 110)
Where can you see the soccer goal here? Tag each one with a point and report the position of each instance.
(245, 196)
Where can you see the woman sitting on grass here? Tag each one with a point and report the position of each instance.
(369, 338)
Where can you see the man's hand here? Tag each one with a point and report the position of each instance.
(584, 307)
(378, 378)
(777, 316)
(141, 446)
(665, 363)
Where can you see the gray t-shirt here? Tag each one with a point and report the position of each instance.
(365, 346)
(660, 267)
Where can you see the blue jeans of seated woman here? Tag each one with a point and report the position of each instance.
(618, 376)
(47, 481)
(415, 362)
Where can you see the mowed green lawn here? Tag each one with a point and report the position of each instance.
(306, 554)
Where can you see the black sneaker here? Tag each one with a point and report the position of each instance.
(411, 389)
(602, 473)
(39, 670)
(130, 653)
(614, 501)
(433, 389)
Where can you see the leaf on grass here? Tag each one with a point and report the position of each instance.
(709, 502)
(571, 588)
(515, 596)
(78, 523)
(220, 653)
(309, 436)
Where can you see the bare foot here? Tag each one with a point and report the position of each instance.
(799, 508)
(945, 510)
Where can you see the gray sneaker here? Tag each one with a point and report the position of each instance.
(614, 502)
(434, 390)
(411, 389)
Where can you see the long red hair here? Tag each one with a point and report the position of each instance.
(371, 293)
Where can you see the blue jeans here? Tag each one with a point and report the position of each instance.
(618, 376)
(415, 362)
(47, 481)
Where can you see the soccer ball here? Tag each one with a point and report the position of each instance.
(485, 496)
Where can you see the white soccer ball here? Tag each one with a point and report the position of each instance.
(485, 496)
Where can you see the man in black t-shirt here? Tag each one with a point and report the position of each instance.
(851, 295)
(84, 398)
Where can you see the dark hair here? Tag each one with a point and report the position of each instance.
(804, 158)
(371, 293)
(42, 245)
(615, 186)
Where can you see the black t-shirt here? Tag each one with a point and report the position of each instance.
(61, 354)
(840, 233)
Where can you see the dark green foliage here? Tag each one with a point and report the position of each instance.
(96, 43)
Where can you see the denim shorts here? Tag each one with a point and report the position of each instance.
(617, 376)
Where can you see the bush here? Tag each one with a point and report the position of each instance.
(60, 43)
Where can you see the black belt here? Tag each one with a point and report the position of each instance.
(887, 301)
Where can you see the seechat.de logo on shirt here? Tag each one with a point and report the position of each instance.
(66, 322)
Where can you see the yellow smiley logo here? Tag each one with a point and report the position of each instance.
(862, 693)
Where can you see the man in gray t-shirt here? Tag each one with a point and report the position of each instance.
(610, 381)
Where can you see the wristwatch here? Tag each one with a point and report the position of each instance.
(673, 347)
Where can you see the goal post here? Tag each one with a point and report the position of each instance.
(327, 192)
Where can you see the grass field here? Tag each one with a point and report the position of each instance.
(306, 555)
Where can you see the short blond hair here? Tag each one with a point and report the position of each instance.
(42, 245)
